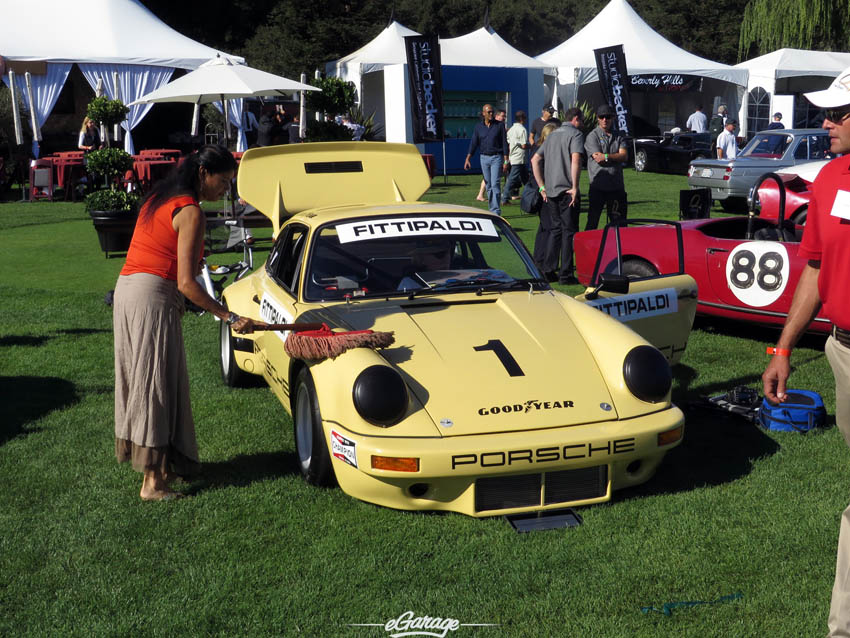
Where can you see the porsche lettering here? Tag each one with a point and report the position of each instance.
(532, 404)
(545, 454)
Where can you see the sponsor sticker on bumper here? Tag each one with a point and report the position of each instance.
(343, 449)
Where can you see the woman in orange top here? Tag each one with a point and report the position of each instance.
(154, 429)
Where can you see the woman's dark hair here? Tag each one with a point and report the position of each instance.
(185, 178)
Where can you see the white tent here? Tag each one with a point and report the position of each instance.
(790, 72)
(486, 48)
(117, 41)
(646, 52)
(379, 72)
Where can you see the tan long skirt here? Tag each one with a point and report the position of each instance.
(153, 415)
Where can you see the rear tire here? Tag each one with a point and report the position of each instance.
(232, 375)
(314, 460)
(640, 161)
(800, 217)
(638, 269)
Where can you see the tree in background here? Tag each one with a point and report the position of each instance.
(288, 38)
(798, 24)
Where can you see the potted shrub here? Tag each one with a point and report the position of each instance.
(112, 209)
(107, 112)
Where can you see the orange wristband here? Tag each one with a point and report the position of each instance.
(782, 352)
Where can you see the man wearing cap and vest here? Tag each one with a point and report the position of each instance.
(824, 282)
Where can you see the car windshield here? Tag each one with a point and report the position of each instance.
(767, 145)
(413, 255)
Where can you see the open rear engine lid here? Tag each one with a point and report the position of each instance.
(281, 181)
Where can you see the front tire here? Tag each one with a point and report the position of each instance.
(640, 161)
(800, 217)
(314, 460)
(232, 375)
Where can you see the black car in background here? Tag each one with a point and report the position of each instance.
(671, 152)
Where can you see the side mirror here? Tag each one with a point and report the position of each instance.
(609, 282)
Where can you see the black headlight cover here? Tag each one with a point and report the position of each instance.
(647, 374)
(380, 395)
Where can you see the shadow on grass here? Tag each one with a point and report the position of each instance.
(753, 331)
(36, 341)
(242, 470)
(27, 399)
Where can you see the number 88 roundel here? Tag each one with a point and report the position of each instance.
(757, 272)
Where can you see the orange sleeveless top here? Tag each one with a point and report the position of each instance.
(153, 248)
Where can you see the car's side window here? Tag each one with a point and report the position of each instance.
(819, 147)
(802, 150)
(284, 263)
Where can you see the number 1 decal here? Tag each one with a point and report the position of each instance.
(505, 357)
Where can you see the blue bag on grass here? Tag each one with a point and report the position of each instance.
(801, 411)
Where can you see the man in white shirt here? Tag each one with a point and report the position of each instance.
(697, 122)
(517, 145)
(727, 144)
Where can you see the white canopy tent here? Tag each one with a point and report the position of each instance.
(378, 70)
(118, 41)
(646, 52)
(777, 79)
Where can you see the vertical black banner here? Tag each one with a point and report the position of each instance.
(426, 87)
(611, 65)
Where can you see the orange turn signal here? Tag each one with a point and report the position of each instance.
(395, 463)
(670, 436)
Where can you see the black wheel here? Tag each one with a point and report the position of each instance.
(800, 217)
(733, 205)
(640, 161)
(314, 460)
(232, 375)
(638, 269)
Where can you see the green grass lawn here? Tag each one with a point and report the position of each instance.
(256, 552)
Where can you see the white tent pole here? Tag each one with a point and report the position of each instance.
(36, 131)
(98, 92)
(302, 110)
(225, 104)
(196, 119)
(16, 115)
(318, 75)
(117, 132)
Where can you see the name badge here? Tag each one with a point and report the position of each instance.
(841, 205)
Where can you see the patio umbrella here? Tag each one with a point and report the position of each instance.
(220, 80)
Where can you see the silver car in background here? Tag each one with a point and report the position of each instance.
(730, 180)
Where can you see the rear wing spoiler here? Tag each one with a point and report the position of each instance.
(281, 181)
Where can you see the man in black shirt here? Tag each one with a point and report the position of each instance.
(489, 136)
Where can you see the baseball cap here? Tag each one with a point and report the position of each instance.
(604, 109)
(551, 109)
(777, 115)
(838, 93)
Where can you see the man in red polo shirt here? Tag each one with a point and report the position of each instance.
(825, 281)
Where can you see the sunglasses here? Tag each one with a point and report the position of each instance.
(604, 117)
(488, 111)
(837, 116)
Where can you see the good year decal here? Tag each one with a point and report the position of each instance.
(757, 272)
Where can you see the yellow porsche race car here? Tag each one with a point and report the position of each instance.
(499, 395)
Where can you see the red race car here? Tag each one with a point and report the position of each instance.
(746, 268)
(798, 180)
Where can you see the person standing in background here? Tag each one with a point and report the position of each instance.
(517, 145)
(606, 153)
(489, 136)
(557, 168)
(697, 122)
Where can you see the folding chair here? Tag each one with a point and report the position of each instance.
(41, 179)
